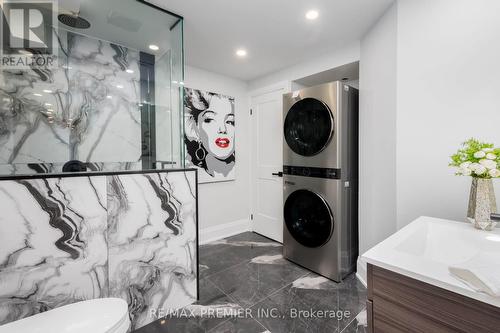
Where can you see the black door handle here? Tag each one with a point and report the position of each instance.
(495, 217)
(279, 174)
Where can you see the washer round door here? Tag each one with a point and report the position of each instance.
(309, 126)
(308, 218)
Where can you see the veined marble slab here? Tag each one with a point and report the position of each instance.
(33, 126)
(34, 168)
(53, 237)
(86, 108)
(30, 168)
(105, 97)
(152, 242)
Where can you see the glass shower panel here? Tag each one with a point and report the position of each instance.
(169, 71)
(178, 92)
(104, 103)
(164, 114)
(111, 101)
(34, 131)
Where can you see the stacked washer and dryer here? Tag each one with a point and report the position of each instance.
(321, 179)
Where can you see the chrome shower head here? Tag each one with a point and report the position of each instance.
(74, 21)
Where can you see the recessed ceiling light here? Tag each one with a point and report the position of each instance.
(37, 95)
(47, 91)
(181, 83)
(48, 104)
(312, 14)
(241, 52)
(119, 86)
(154, 47)
(129, 71)
(109, 97)
(26, 53)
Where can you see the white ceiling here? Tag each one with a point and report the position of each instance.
(275, 32)
(347, 72)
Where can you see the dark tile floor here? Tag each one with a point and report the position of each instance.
(247, 287)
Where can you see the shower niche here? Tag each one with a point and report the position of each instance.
(112, 99)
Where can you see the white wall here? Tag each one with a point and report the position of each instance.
(429, 79)
(377, 122)
(448, 90)
(377, 128)
(315, 65)
(224, 206)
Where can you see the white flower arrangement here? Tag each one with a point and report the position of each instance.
(477, 159)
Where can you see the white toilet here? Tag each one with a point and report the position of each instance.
(102, 315)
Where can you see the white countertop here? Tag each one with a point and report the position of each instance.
(425, 248)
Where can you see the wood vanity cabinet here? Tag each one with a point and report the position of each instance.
(398, 303)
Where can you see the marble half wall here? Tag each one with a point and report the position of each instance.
(69, 238)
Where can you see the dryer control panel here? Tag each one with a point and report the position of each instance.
(327, 173)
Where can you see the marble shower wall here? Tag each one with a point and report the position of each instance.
(87, 108)
(33, 124)
(64, 240)
(103, 101)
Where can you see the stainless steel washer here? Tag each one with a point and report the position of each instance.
(321, 179)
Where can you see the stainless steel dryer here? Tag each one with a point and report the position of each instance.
(312, 126)
(321, 179)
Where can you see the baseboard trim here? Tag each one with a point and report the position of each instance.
(218, 232)
(361, 271)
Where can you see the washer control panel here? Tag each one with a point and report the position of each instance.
(327, 173)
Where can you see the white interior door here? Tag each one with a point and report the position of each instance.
(267, 159)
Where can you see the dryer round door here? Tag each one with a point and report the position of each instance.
(309, 126)
(308, 218)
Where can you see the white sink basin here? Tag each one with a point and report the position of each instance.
(425, 249)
